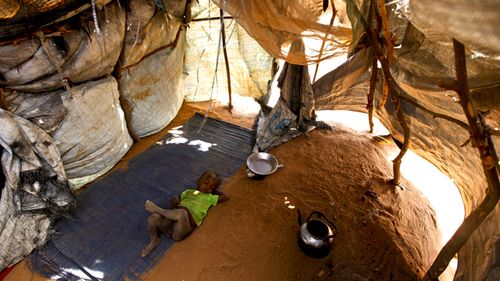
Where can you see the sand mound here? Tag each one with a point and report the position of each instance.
(385, 233)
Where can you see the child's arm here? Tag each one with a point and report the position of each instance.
(222, 196)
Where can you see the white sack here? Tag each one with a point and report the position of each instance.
(153, 89)
(94, 135)
(88, 54)
(148, 29)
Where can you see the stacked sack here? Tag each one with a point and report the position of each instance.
(151, 65)
(71, 93)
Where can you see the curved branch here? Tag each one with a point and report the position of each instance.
(394, 89)
(226, 59)
(396, 163)
(487, 152)
(371, 93)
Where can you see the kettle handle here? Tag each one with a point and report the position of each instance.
(320, 214)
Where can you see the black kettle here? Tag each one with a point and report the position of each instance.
(316, 234)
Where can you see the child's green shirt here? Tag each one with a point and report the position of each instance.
(198, 203)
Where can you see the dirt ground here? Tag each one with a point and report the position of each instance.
(384, 232)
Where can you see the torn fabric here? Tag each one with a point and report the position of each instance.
(36, 190)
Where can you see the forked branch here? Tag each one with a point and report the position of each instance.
(487, 152)
(394, 90)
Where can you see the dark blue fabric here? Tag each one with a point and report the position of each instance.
(103, 237)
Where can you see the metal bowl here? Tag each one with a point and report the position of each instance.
(262, 163)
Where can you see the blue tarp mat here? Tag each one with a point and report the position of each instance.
(102, 239)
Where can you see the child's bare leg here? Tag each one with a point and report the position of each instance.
(182, 227)
(156, 224)
(154, 209)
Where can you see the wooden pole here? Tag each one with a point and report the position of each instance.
(209, 19)
(482, 140)
(371, 93)
(334, 13)
(226, 60)
(2, 102)
(395, 92)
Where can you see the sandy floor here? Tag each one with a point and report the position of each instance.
(385, 233)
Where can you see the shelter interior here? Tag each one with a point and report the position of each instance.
(384, 114)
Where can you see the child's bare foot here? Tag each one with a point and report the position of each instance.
(151, 207)
(150, 247)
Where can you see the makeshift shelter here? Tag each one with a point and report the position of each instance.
(91, 75)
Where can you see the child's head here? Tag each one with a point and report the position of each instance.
(208, 182)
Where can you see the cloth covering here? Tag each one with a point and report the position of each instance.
(472, 22)
(35, 189)
(276, 24)
(46, 109)
(294, 112)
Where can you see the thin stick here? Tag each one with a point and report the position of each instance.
(491, 131)
(77, 11)
(395, 91)
(334, 13)
(226, 60)
(382, 24)
(385, 29)
(216, 18)
(47, 50)
(487, 153)
(396, 163)
(2, 102)
(371, 93)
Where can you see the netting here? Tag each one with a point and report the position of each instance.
(277, 24)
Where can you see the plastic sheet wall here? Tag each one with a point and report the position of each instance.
(205, 69)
